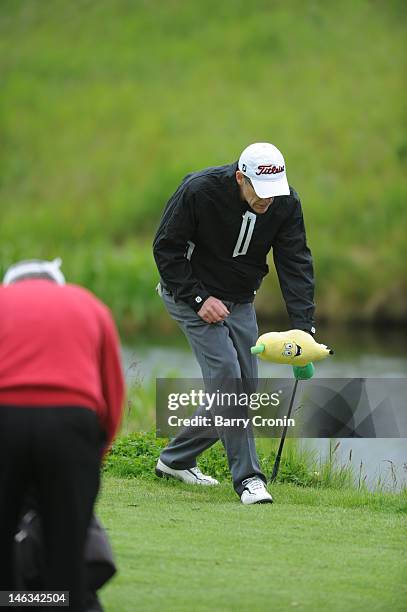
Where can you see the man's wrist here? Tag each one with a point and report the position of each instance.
(197, 300)
(310, 329)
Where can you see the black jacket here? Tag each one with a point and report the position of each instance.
(210, 242)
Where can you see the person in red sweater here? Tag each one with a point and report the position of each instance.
(61, 402)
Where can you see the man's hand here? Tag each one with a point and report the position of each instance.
(213, 310)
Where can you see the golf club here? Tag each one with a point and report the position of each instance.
(292, 347)
(300, 373)
(277, 460)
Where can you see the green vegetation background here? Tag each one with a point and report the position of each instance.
(107, 104)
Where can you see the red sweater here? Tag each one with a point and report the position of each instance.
(59, 347)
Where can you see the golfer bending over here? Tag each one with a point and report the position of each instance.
(61, 397)
(211, 249)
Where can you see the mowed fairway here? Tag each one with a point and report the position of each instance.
(181, 548)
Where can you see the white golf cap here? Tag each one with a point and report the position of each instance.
(35, 267)
(264, 165)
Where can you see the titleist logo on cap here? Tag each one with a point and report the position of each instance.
(264, 165)
(269, 169)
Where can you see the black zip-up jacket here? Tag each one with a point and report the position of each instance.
(210, 242)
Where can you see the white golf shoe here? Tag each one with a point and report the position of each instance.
(191, 476)
(255, 492)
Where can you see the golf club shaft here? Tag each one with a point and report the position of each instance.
(283, 436)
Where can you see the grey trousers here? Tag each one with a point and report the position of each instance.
(223, 352)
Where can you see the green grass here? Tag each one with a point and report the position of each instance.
(181, 548)
(135, 455)
(107, 104)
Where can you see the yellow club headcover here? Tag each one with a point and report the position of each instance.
(294, 347)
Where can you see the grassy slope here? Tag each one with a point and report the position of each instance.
(193, 549)
(106, 105)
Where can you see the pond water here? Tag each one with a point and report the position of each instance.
(364, 353)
